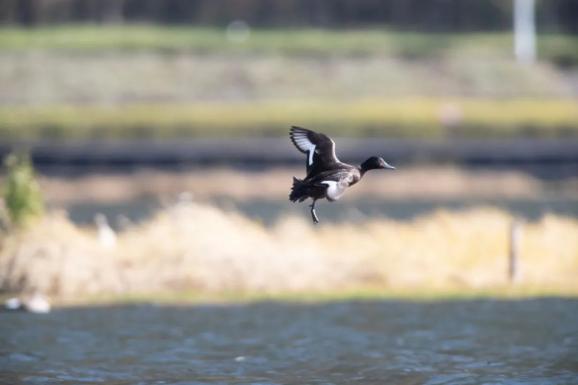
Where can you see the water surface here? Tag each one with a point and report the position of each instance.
(355, 342)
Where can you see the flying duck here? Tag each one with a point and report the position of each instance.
(327, 177)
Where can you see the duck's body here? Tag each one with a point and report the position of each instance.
(330, 184)
(327, 177)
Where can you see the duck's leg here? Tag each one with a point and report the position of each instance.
(313, 213)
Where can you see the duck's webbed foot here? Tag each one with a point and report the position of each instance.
(313, 213)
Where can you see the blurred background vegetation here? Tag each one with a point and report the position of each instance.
(158, 69)
(21, 193)
(134, 107)
(425, 16)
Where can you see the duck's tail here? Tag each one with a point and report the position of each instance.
(299, 191)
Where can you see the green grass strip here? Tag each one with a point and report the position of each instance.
(92, 37)
(410, 118)
(561, 49)
(415, 295)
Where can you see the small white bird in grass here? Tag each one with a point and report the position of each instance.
(36, 303)
(13, 303)
(106, 235)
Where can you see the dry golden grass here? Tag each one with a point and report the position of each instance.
(199, 248)
(55, 256)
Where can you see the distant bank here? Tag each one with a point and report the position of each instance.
(548, 158)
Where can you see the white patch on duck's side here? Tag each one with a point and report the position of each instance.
(334, 190)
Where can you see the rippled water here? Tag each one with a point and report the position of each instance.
(369, 342)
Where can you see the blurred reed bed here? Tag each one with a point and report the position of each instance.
(197, 247)
(426, 118)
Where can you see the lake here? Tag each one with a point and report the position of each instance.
(486, 341)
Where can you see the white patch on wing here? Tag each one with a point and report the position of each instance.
(305, 145)
(302, 141)
(310, 158)
(334, 189)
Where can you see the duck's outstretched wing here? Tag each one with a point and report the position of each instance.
(320, 148)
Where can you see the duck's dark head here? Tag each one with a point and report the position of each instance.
(375, 163)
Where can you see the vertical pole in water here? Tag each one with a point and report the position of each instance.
(524, 31)
(515, 232)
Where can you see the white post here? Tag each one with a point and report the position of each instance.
(514, 252)
(525, 31)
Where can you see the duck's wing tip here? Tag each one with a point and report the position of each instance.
(303, 139)
(320, 148)
(309, 137)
